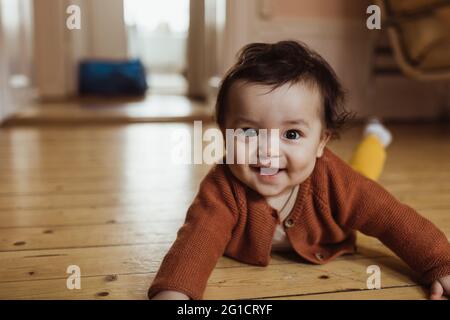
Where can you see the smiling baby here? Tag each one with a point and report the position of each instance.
(296, 195)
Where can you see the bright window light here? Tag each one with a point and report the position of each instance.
(149, 14)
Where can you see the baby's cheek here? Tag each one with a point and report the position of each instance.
(300, 165)
(298, 160)
(245, 152)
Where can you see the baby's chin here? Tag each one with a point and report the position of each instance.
(269, 191)
(266, 188)
(275, 189)
(251, 182)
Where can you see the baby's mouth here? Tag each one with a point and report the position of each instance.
(266, 171)
(269, 171)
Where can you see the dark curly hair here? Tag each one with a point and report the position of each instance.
(287, 62)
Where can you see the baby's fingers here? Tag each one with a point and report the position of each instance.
(437, 291)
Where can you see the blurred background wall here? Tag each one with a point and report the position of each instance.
(188, 45)
(16, 54)
(337, 30)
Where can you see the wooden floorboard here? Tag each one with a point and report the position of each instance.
(106, 198)
(48, 263)
(237, 282)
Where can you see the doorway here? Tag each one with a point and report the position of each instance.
(157, 33)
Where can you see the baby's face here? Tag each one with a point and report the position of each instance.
(296, 111)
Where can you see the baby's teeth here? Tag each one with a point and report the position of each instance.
(268, 171)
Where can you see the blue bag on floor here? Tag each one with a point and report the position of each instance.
(112, 78)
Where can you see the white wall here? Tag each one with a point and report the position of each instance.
(3, 77)
(107, 32)
(336, 30)
(58, 49)
(15, 56)
(50, 46)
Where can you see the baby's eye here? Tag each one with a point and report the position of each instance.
(250, 132)
(292, 134)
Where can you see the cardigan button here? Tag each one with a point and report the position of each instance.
(319, 256)
(288, 223)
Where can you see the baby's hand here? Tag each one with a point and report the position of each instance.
(440, 289)
(170, 295)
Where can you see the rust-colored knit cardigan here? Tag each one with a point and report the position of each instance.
(228, 218)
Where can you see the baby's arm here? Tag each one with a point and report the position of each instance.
(409, 235)
(362, 204)
(200, 242)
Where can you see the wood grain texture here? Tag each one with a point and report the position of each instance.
(108, 199)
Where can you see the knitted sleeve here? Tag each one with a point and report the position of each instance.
(201, 240)
(362, 204)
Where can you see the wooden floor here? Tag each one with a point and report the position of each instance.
(92, 110)
(106, 198)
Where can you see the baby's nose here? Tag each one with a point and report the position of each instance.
(268, 161)
(265, 161)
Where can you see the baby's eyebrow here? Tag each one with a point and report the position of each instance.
(297, 121)
(243, 119)
(291, 121)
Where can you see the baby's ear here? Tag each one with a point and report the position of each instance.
(326, 135)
